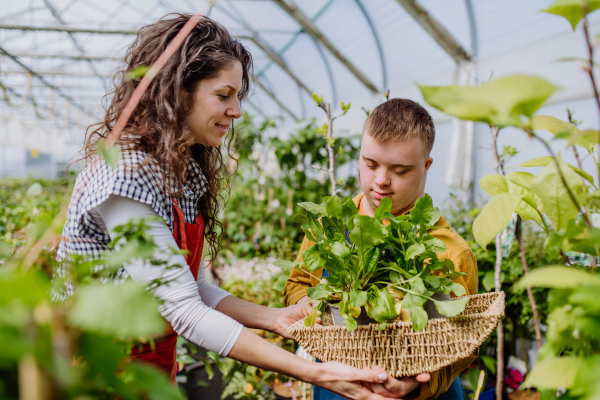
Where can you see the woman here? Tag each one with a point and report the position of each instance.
(171, 166)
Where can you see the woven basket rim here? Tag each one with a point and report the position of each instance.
(496, 309)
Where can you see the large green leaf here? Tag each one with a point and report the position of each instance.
(313, 260)
(385, 206)
(536, 162)
(334, 207)
(122, 311)
(494, 217)
(558, 277)
(319, 292)
(418, 316)
(367, 232)
(451, 308)
(494, 184)
(558, 128)
(572, 10)
(317, 209)
(422, 214)
(414, 251)
(383, 308)
(501, 102)
(548, 186)
(518, 183)
(26, 289)
(349, 210)
(555, 373)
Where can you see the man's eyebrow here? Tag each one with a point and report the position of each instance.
(393, 166)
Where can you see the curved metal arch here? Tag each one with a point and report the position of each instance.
(377, 42)
(240, 19)
(472, 28)
(293, 39)
(327, 67)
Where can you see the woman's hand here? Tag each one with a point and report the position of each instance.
(288, 316)
(397, 388)
(355, 384)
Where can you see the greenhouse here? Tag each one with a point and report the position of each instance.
(324, 199)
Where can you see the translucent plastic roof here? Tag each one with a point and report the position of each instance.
(57, 55)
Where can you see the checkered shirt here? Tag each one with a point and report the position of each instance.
(143, 183)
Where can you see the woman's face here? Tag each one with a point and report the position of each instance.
(215, 106)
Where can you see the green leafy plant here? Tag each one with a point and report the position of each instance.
(560, 199)
(369, 262)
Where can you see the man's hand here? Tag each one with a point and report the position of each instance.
(288, 316)
(396, 388)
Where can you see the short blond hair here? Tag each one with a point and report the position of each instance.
(400, 119)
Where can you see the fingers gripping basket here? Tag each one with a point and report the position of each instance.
(398, 348)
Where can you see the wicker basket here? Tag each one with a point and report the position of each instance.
(398, 348)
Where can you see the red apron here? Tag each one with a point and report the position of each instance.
(188, 237)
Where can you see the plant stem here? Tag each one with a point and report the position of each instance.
(498, 275)
(570, 116)
(590, 48)
(330, 152)
(536, 319)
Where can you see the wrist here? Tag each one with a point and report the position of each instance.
(273, 314)
(313, 372)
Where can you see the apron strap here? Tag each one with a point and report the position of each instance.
(179, 225)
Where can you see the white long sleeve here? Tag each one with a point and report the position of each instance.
(188, 305)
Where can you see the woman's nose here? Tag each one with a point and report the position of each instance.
(234, 111)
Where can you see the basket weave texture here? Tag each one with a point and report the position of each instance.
(399, 349)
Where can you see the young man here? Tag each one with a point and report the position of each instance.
(394, 159)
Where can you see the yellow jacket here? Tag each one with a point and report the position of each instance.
(464, 261)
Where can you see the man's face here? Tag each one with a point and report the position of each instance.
(394, 169)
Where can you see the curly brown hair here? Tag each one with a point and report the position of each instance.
(157, 125)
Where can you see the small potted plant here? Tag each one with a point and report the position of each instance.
(378, 270)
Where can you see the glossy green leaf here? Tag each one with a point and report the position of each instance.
(555, 373)
(318, 292)
(334, 207)
(422, 213)
(572, 10)
(313, 259)
(455, 288)
(384, 307)
(418, 316)
(317, 209)
(349, 210)
(385, 206)
(127, 310)
(414, 251)
(501, 102)
(340, 250)
(451, 308)
(494, 184)
(558, 277)
(518, 183)
(367, 232)
(548, 186)
(350, 324)
(358, 299)
(285, 265)
(536, 162)
(494, 217)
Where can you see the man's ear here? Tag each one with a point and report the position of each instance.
(428, 163)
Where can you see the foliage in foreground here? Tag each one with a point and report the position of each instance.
(560, 199)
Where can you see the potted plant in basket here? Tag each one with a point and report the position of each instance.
(377, 269)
